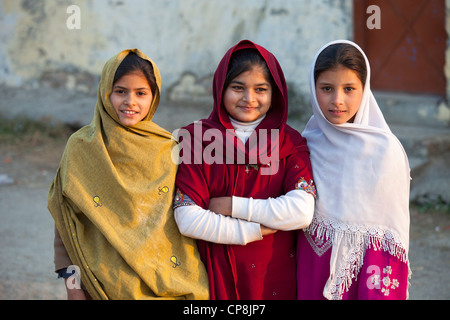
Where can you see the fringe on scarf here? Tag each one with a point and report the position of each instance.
(358, 238)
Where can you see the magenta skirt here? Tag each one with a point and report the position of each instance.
(382, 276)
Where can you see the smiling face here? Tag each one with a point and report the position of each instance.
(131, 98)
(248, 96)
(339, 93)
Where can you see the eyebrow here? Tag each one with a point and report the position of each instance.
(120, 87)
(324, 83)
(256, 85)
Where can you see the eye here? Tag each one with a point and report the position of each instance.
(142, 93)
(326, 89)
(261, 90)
(119, 91)
(349, 89)
(237, 88)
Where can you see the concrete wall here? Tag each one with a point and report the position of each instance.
(186, 38)
(39, 49)
(447, 53)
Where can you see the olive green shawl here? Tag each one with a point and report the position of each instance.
(111, 201)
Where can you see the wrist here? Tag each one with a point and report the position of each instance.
(62, 273)
(241, 208)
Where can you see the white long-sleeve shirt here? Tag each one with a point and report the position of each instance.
(292, 211)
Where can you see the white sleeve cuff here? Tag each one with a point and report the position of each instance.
(198, 223)
(292, 211)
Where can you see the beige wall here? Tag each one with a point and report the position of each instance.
(447, 54)
(186, 38)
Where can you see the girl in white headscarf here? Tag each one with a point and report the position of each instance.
(357, 244)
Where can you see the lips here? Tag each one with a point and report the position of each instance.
(129, 112)
(247, 108)
(337, 112)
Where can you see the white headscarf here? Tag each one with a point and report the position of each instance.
(362, 177)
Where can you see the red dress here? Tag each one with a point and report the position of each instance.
(264, 269)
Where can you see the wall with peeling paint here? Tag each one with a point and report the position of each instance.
(186, 38)
(447, 53)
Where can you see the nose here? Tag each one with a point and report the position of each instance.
(248, 96)
(338, 98)
(130, 99)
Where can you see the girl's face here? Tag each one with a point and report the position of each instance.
(131, 98)
(339, 93)
(248, 96)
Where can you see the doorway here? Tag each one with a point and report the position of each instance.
(407, 52)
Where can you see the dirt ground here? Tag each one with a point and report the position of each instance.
(27, 168)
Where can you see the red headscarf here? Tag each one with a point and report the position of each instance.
(279, 101)
(263, 269)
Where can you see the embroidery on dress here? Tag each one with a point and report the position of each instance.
(164, 189)
(248, 166)
(175, 261)
(355, 239)
(386, 281)
(308, 187)
(182, 200)
(97, 201)
(317, 244)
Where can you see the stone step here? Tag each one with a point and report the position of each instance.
(422, 142)
(412, 109)
(428, 151)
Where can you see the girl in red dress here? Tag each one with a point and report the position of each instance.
(247, 156)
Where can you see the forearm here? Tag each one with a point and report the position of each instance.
(74, 293)
(288, 212)
(198, 223)
(61, 257)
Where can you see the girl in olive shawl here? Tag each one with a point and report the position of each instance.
(112, 196)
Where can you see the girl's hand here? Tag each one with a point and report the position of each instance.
(266, 231)
(221, 205)
(76, 294)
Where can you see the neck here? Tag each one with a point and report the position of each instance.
(246, 125)
(245, 129)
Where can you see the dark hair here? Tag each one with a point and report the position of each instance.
(341, 54)
(245, 60)
(133, 63)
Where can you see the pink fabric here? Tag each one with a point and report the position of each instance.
(382, 276)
